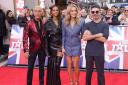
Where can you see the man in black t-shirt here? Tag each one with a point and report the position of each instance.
(96, 33)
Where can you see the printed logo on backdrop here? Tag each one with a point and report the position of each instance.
(19, 6)
(116, 56)
(16, 55)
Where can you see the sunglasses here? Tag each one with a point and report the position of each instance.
(93, 12)
(126, 10)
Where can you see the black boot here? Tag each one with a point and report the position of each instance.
(51, 71)
(58, 62)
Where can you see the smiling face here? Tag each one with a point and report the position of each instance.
(37, 12)
(10, 14)
(73, 12)
(109, 12)
(55, 11)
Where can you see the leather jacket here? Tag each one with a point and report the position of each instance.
(53, 35)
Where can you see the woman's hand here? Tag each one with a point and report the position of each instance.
(63, 51)
(26, 54)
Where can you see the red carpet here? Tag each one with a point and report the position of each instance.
(17, 76)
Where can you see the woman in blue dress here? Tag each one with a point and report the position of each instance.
(72, 27)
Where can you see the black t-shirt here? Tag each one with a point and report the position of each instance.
(93, 47)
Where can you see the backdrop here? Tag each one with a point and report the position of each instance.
(116, 49)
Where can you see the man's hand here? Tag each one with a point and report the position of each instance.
(99, 35)
(26, 54)
(101, 39)
(123, 18)
(87, 32)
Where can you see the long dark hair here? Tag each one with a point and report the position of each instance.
(11, 20)
(59, 15)
(7, 13)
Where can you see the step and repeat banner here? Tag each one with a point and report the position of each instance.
(116, 55)
(19, 6)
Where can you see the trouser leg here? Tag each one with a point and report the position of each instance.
(31, 61)
(99, 61)
(41, 59)
(89, 68)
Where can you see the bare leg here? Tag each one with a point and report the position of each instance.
(76, 60)
(69, 68)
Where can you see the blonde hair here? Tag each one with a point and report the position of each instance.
(37, 7)
(67, 18)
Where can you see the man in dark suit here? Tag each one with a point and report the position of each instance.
(34, 32)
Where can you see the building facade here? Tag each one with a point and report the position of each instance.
(118, 1)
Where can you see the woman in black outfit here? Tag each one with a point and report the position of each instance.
(54, 46)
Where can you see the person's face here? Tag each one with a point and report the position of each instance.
(27, 13)
(73, 12)
(83, 12)
(10, 14)
(37, 12)
(43, 12)
(25, 10)
(113, 8)
(55, 12)
(126, 11)
(95, 13)
(121, 10)
(116, 10)
(64, 12)
(103, 11)
(110, 13)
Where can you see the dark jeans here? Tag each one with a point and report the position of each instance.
(31, 61)
(99, 62)
(1, 45)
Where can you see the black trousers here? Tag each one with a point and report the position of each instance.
(31, 61)
(1, 45)
(99, 62)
